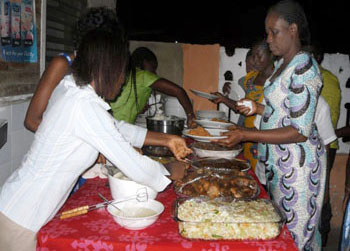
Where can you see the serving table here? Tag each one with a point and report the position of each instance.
(97, 230)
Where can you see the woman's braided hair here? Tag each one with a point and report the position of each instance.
(292, 12)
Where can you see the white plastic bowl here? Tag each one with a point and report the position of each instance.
(122, 188)
(135, 215)
(210, 114)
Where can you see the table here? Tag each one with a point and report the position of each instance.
(97, 230)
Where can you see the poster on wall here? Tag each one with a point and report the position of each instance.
(18, 31)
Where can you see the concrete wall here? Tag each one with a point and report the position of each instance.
(170, 59)
(201, 72)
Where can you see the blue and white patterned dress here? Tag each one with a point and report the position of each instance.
(296, 172)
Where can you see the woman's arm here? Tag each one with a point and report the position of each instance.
(285, 135)
(176, 144)
(167, 87)
(55, 72)
(227, 101)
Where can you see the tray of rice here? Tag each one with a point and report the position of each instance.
(222, 219)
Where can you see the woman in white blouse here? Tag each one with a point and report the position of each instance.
(75, 128)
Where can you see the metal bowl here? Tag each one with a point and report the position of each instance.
(164, 124)
(170, 124)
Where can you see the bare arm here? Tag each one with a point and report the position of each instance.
(285, 135)
(167, 87)
(55, 72)
(175, 143)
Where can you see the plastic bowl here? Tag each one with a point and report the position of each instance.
(122, 187)
(135, 215)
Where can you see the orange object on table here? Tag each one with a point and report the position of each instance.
(97, 230)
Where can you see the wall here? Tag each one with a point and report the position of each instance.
(201, 72)
(170, 59)
(339, 65)
(19, 139)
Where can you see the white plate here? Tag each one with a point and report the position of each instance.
(214, 132)
(210, 114)
(204, 94)
(213, 124)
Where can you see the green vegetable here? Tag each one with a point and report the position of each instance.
(216, 236)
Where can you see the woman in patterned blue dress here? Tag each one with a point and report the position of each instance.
(289, 145)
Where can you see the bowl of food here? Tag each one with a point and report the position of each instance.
(212, 150)
(221, 165)
(122, 187)
(210, 114)
(134, 214)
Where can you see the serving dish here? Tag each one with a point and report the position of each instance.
(227, 219)
(210, 114)
(221, 165)
(212, 150)
(236, 184)
(210, 123)
(136, 215)
(204, 94)
(216, 134)
(122, 187)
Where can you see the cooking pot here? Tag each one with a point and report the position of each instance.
(164, 124)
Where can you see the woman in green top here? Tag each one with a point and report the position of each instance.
(140, 82)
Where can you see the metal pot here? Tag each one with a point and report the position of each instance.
(171, 125)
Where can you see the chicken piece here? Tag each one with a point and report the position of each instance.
(235, 192)
(213, 191)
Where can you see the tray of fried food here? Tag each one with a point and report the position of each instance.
(197, 183)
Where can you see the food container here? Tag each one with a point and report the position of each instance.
(197, 183)
(211, 150)
(136, 215)
(222, 219)
(210, 114)
(214, 123)
(164, 124)
(122, 187)
(221, 165)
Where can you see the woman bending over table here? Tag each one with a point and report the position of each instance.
(75, 128)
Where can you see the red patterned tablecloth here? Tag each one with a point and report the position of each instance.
(98, 231)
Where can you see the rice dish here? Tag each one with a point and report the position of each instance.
(235, 220)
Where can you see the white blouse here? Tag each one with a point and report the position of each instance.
(75, 128)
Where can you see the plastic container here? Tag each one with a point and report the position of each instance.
(222, 219)
(122, 187)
